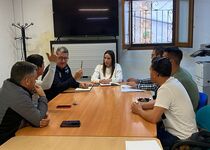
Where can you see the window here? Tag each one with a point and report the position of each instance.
(157, 22)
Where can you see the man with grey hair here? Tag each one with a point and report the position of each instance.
(16, 104)
(63, 78)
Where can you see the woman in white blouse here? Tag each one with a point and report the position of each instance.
(109, 71)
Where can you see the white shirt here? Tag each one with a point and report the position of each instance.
(47, 81)
(98, 74)
(180, 116)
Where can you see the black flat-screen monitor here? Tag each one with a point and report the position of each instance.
(85, 17)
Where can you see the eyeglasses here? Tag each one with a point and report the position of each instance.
(63, 58)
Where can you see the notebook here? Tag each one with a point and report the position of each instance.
(72, 90)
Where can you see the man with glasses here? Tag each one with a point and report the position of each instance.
(63, 78)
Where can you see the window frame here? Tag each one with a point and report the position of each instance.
(190, 25)
(175, 38)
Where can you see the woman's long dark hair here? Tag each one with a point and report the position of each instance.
(111, 53)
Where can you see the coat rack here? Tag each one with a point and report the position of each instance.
(23, 36)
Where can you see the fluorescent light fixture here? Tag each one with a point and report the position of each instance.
(92, 9)
(97, 18)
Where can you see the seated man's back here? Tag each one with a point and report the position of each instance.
(187, 81)
(175, 55)
(180, 117)
(16, 103)
(173, 101)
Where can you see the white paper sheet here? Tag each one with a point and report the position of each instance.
(110, 84)
(142, 145)
(81, 89)
(128, 88)
(103, 84)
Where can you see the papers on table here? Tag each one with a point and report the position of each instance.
(72, 90)
(128, 88)
(142, 145)
(83, 90)
(110, 84)
(107, 84)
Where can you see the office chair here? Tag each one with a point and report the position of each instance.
(202, 118)
(198, 141)
(203, 100)
(201, 139)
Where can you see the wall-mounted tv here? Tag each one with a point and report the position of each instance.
(85, 17)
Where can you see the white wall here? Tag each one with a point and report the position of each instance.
(201, 33)
(38, 12)
(202, 25)
(134, 63)
(202, 22)
(8, 53)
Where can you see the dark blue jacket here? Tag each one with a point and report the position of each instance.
(63, 79)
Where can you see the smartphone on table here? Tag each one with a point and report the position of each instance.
(70, 123)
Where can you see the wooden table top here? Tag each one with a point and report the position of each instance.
(71, 143)
(104, 111)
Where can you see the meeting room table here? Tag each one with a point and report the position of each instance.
(102, 112)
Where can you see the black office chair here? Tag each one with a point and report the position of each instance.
(198, 141)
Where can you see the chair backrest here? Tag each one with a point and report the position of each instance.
(197, 141)
(203, 100)
(202, 117)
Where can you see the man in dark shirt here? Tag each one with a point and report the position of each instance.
(16, 106)
(63, 78)
(147, 84)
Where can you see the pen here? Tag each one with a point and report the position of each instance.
(81, 64)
